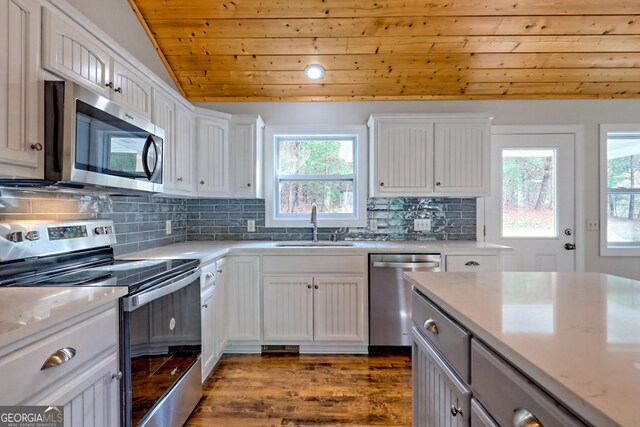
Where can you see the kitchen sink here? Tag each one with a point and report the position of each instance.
(306, 243)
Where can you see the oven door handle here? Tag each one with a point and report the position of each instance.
(130, 303)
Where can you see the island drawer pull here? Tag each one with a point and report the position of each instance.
(59, 357)
(430, 325)
(524, 418)
(472, 263)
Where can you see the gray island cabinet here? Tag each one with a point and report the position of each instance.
(524, 349)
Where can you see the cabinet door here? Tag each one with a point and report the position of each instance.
(288, 308)
(164, 117)
(403, 153)
(131, 89)
(243, 298)
(220, 312)
(338, 308)
(182, 157)
(70, 53)
(90, 397)
(208, 306)
(461, 156)
(245, 149)
(213, 156)
(440, 398)
(19, 89)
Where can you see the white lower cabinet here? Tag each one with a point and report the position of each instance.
(288, 308)
(243, 302)
(213, 314)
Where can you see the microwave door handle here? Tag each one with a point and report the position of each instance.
(150, 172)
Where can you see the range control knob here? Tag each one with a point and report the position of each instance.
(100, 231)
(15, 237)
(32, 235)
(108, 229)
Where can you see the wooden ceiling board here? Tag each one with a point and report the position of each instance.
(397, 49)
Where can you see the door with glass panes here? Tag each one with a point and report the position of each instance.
(532, 202)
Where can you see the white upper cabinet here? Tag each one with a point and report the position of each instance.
(426, 155)
(182, 156)
(213, 156)
(21, 142)
(74, 54)
(246, 143)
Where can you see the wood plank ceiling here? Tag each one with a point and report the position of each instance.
(249, 50)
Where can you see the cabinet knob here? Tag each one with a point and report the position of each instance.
(524, 418)
(119, 90)
(109, 85)
(430, 325)
(308, 286)
(219, 271)
(59, 357)
(249, 184)
(382, 184)
(180, 179)
(205, 305)
(202, 182)
(117, 376)
(37, 146)
(316, 286)
(472, 263)
(438, 184)
(455, 411)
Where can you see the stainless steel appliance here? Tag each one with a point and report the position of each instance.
(390, 297)
(160, 337)
(92, 141)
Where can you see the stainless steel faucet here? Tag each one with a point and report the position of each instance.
(314, 221)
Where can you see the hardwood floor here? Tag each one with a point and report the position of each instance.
(307, 390)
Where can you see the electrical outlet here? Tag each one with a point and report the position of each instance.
(167, 226)
(593, 224)
(373, 225)
(421, 225)
(251, 225)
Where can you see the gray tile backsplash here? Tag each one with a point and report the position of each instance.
(140, 220)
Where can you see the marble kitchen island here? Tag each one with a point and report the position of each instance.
(575, 335)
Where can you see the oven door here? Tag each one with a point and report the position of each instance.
(160, 352)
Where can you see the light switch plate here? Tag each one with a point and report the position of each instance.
(593, 224)
(167, 226)
(373, 225)
(422, 225)
(251, 225)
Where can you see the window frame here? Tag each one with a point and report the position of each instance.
(605, 249)
(356, 132)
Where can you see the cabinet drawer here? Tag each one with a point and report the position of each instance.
(502, 390)
(313, 264)
(22, 368)
(449, 338)
(472, 263)
(207, 277)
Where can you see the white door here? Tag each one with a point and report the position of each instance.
(532, 203)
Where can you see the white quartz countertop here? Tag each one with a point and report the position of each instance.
(207, 251)
(576, 334)
(27, 311)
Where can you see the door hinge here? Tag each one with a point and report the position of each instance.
(484, 230)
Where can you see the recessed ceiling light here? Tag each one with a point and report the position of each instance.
(314, 71)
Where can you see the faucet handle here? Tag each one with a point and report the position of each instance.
(334, 237)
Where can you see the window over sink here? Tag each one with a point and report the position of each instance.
(620, 190)
(325, 165)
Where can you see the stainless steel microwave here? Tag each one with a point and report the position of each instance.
(92, 141)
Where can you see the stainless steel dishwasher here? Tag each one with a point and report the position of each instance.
(390, 297)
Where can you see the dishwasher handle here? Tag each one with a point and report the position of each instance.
(396, 264)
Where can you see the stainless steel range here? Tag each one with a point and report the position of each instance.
(160, 338)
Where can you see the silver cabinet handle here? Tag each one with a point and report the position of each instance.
(524, 418)
(455, 411)
(117, 376)
(472, 263)
(59, 357)
(430, 325)
(209, 275)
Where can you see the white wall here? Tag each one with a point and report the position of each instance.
(588, 113)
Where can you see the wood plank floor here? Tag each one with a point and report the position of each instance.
(307, 390)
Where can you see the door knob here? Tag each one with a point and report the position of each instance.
(570, 246)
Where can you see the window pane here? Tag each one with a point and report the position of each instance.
(331, 197)
(528, 193)
(315, 157)
(623, 176)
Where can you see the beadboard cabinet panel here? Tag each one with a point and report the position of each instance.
(288, 308)
(213, 156)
